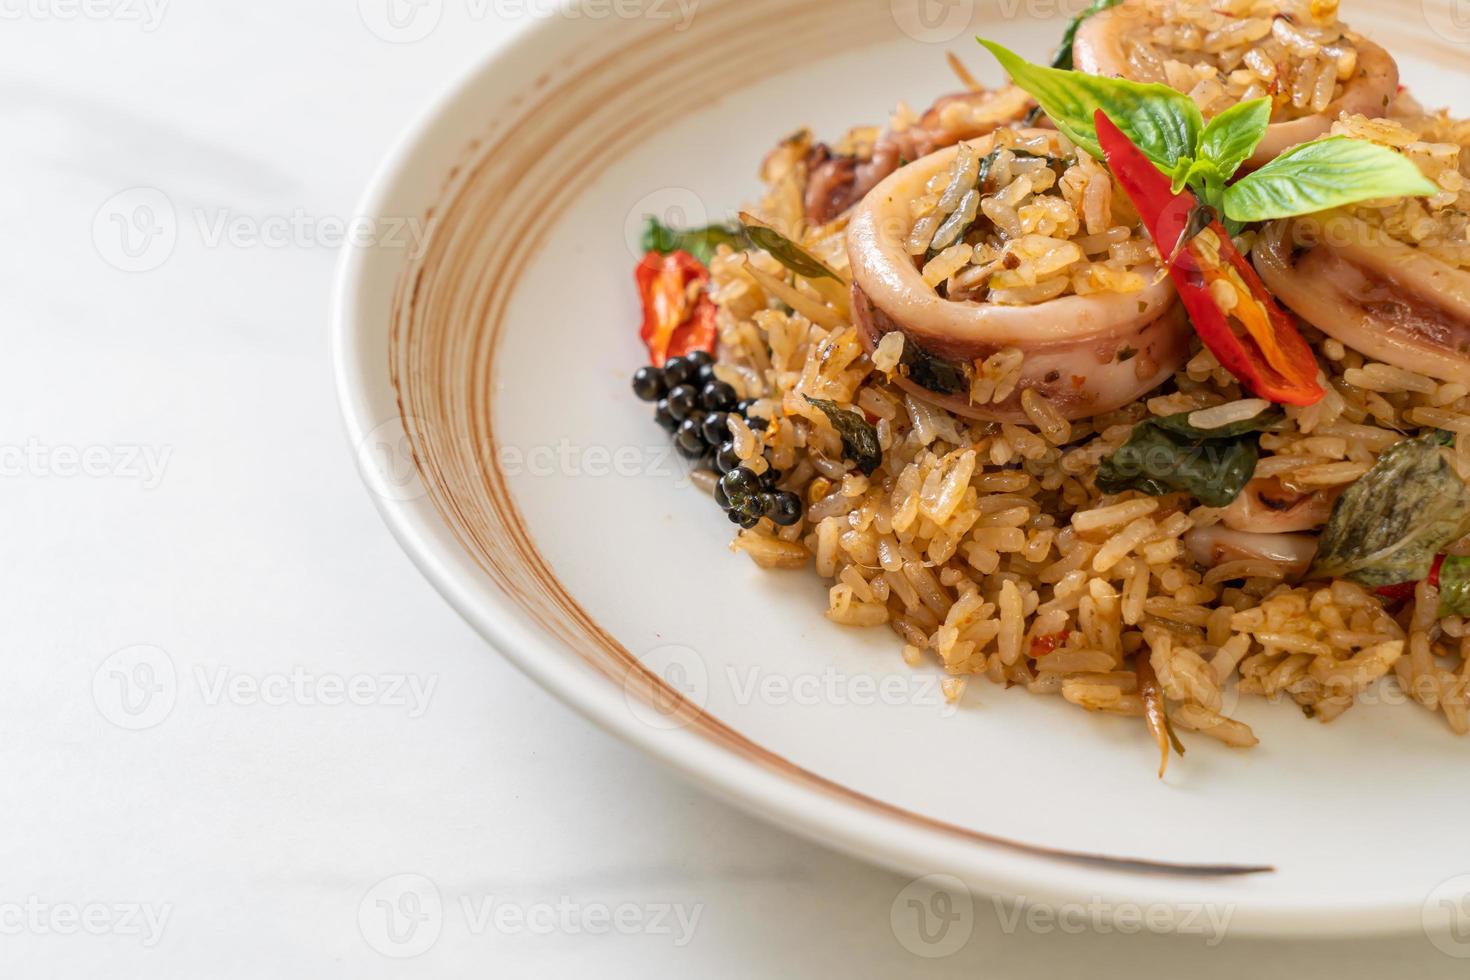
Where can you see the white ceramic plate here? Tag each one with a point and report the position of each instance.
(484, 382)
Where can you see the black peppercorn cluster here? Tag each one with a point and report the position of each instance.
(695, 408)
(693, 405)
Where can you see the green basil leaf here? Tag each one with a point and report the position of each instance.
(1204, 177)
(1063, 57)
(1387, 527)
(1323, 174)
(1454, 586)
(859, 438)
(1185, 172)
(698, 242)
(1233, 135)
(1164, 124)
(784, 250)
(932, 372)
(1168, 455)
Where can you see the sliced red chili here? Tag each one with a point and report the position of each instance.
(1215, 282)
(1404, 591)
(678, 315)
(1046, 643)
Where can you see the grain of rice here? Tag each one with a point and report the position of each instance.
(1228, 413)
(946, 263)
(770, 552)
(1122, 543)
(1327, 474)
(1011, 625)
(1438, 418)
(1199, 719)
(1045, 417)
(886, 357)
(1115, 515)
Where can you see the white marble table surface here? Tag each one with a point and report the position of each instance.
(306, 721)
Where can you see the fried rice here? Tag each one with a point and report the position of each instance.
(1222, 52)
(1052, 227)
(987, 548)
(986, 545)
(1436, 143)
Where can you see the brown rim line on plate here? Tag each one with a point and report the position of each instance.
(451, 302)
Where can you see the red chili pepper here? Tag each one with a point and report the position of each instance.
(1046, 643)
(1404, 591)
(1267, 354)
(678, 315)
